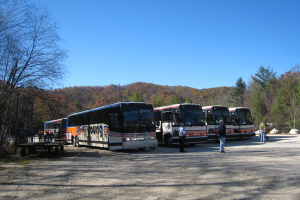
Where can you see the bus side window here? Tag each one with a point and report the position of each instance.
(176, 119)
(114, 119)
(57, 127)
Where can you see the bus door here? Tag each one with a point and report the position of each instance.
(158, 125)
(175, 123)
(211, 126)
(103, 135)
(235, 124)
(167, 124)
(114, 137)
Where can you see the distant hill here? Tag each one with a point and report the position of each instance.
(87, 97)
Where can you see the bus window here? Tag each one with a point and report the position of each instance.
(167, 116)
(146, 116)
(192, 117)
(210, 119)
(114, 120)
(57, 127)
(234, 119)
(176, 119)
(131, 118)
(222, 115)
(244, 118)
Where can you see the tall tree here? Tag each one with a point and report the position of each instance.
(258, 107)
(286, 108)
(238, 94)
(30, 54)
(265, 77)
(264, 82)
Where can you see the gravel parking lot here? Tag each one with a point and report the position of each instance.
(248, 170)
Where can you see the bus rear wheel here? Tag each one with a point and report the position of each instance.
(76, 142)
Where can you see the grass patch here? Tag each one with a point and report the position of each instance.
(11, 159)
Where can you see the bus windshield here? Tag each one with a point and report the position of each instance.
(134, 116)
(244, 117)
(221, 115)
(192, 117)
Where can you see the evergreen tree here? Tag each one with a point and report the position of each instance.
(238, 94)
(157, 102)
(174, 100)
(258, 107)
(265, 77)
(188, 100)
(286, 108)
(137, 97)
(264, 82)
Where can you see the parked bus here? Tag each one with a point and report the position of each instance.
(123, 125)
(56, 129)
(168, 119)
(213, 115)
(242, 122)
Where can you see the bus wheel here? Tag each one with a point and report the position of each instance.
(168, 141)
(73, 141)
(76, 142)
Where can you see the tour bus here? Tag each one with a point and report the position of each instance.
(213, 115)
(242, 122)
(168, 119)
(123, 125)
(56, 129)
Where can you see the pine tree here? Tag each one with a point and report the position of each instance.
(238, 94)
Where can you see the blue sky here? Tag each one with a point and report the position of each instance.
(194, 43)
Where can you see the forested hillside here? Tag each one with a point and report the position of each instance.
(82, 98)
(273, 99)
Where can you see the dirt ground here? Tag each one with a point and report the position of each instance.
(248, 170)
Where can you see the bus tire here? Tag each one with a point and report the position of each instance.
(76, 142)
(168, 141)
(73, 141)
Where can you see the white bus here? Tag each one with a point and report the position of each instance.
(242, 122)
(123, 125)
(213, 115)
(56, 128)
(168, 119)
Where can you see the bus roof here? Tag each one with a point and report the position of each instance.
(235, 108)
(55, 120)
(111, 106)
(214, 106)
(175, 106)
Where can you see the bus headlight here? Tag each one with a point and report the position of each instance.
(125, 139)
